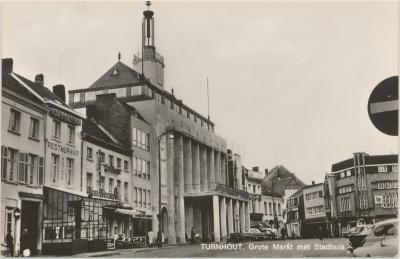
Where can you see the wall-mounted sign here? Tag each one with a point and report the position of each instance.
(65, 117)
(111, 169)
(61, 148)
(102, 194)
(378, 199)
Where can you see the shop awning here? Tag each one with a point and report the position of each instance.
(128, 212)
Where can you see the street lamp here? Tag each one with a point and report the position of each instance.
(160, 226)
(277, 178)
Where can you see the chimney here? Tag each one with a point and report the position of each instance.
(39, 79)
(91, 111)
(6, 66)
(255, 168)
(266, 171)
(59, 90)
(313, 182)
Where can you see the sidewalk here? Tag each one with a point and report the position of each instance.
(124, 251)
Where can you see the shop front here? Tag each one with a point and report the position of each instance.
(73, 223)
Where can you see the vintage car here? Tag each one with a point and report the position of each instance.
(356, 238)
(382, 241)
(252, 234)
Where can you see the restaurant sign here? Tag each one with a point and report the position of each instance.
(65, 117)
(61, 148)
(102, 194)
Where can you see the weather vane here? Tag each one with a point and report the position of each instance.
(119, 55)
(148, 3)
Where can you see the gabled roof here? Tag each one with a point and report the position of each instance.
(119, 74)
(10, 83)
(101, 136)
(287, 180)
(42, 91)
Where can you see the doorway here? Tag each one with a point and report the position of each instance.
(30, 221)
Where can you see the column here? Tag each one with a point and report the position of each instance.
(247, 215)
(236, 215)
(189, 221)
(242, 215)
(195, 166)
(217, 167)
(230, 216)
(222, 206)
(187, 164)
(216, 218)
(222, 169)
(203, 167)
(179, 180)
(170, 192)
(210, 169)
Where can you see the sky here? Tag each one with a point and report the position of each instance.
(289, 82)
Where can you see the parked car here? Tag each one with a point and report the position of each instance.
(352, 231)
(251, 234)
(356, 238)
(382, 241)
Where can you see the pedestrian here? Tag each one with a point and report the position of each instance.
(150, 235)
(25, 243)
(10, 243)
(283, 233)
(320, 233)
(193, 235)
(159, 238)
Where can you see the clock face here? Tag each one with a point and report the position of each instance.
(383, 105)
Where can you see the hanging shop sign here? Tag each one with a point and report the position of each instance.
(61, 148)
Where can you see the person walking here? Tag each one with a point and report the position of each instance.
(193, 235)
(150, 235)
(320, 233)
(25, 243)
(10, 243)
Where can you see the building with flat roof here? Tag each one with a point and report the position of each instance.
(363, 190)
(190, 184)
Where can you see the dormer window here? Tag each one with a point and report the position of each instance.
(115, 72)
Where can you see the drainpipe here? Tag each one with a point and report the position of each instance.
(82, 137)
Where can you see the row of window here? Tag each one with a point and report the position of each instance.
(346, 173)
(390, 200)
(344, 204)
(22, 167)
(361, 183)
(102, 159)
(315, 210)
(256, 188)
(57, 172)
(15, 124)
(314, 195)
(345, 189)
(293, 202)
(384, 168)
(388, 185)
(362, 200)
(140, 90)
(141, 198)
(274, 212)
(56, 132)
(140, 139)
(141, 168)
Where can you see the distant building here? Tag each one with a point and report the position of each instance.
(363, 190)
(314, 211)
(253, 179)
(295, 214)
(280, 182)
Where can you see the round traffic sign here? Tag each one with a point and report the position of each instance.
(383, 106)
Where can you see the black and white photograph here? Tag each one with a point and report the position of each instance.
(199, 129)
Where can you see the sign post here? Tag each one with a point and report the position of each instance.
(383, 106)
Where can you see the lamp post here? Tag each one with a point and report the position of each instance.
(160, 224)
(273, 200)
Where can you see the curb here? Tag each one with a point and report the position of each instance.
(104, 254)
